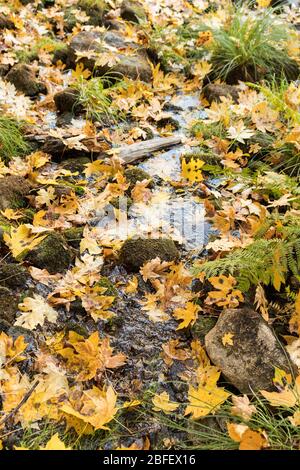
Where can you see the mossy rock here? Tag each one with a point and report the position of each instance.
(214, 92)
(132, 11)
(13, 275)
(13, 190)
(67, 100)
(73, 236)
(53, 254)
(23, 77)
(8, 306)
(118, 203)
(134, 175)
(76, 164)
(137, 251)
(95, 9)
(110, 288)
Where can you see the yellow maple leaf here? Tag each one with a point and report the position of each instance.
(191, 169)
(226, 295)
(132, 285)
(248, 439)
(162, 402)
(242, 407)
(80, 72)
(12, 349)
(55, 444)
(188, 315)
(21, 239)
(35, 311)
(227, 339)
(264, 117)
(205, 400)
(10, 214)
(97, 407)
(91, 356)
(288, 397)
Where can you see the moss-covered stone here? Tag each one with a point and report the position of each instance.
(110, 288)
(13, 275)
(22, 76)
(8, 306)
(67, 100)
(95, 9)
(214, 92)
(118, 203)
(137, 251)
(53, 254)
(76, 164)
(133, 11)
(13, 190)
(134, 175)
(73, 236)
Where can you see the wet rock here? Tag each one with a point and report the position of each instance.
(13, 275)
(16, 331)
(67, 100)
(132, 11)
(6, 23)
(13, 190)
(53, 254)
(8, 306)
(214, 92)
(135, 66)
(137, 251)
(134, 175)
(23, 77)
(76, 164)
(249, 363)
(73, 236)
(95, 9)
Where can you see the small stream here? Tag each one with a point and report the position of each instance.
(170, 212)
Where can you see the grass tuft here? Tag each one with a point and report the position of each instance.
(252, 47)
(12, 143)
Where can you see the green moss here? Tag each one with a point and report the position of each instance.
(13, 190)
(137, 251)
(208, 130)
(203, 325)
(73, 236)
(8, 305)
(12, 275)
(52, 254)
(33, 50)
(95, 9)
(134, 175)
(105, 282)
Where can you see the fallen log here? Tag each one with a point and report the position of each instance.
(130, 153)
(98, 148)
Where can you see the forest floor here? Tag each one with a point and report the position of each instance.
(149, 225)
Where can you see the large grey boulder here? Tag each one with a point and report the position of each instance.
(250, 361)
